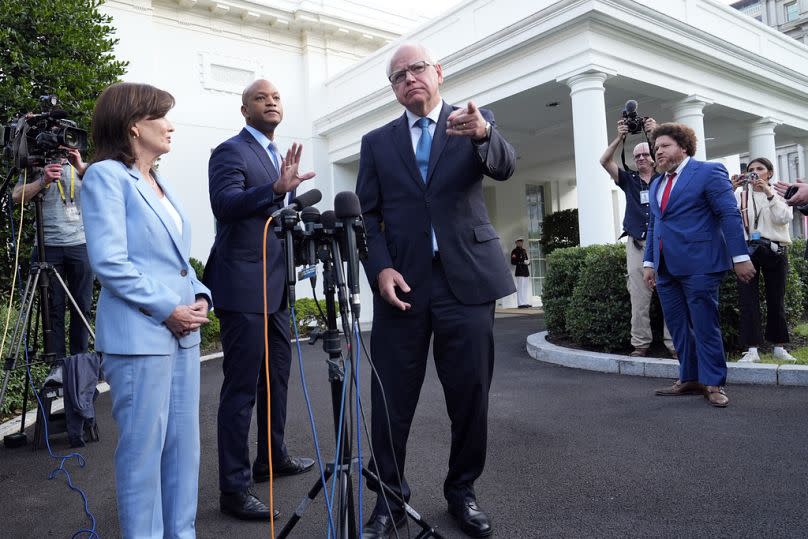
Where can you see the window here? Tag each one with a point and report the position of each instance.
(535, 220)
(792, 11)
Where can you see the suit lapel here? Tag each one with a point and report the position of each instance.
(402, 140)
(154, 203)
(680, 187)
(260, 154)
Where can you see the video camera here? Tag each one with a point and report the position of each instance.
(33, 140)
(634, 122)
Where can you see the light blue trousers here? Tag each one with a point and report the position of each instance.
(155, 403)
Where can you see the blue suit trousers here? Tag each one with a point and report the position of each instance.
(155, 403)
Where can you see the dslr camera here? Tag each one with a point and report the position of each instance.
(634, 122)
(33, 140)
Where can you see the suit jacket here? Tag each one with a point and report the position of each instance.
(701, 229)
(241, 176)
(140, 258)
(398, 209)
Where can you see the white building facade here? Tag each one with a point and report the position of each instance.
(555, 73)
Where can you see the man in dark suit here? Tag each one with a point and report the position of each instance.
(695, 234)
(248, 180)
(436, 268)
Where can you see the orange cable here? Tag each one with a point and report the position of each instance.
(266, 365)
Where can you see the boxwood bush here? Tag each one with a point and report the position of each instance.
(563, 269)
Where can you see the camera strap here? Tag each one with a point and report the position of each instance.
(72, 186)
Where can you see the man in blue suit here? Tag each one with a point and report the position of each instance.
(436, 268)
(695, 234)
(248, 180)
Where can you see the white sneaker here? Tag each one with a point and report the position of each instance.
(782, 355)
(750, 356)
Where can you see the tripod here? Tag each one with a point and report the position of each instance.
(338, 369)
(39, 279)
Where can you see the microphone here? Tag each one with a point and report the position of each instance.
(631, 106)
(288, 222)
(309, 198)
(310, 217)
(348, 209)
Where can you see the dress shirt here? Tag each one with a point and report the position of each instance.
(415, 135)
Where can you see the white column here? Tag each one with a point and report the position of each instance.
(761, 139)
(802, 159)
(690, 111)
(590, 138)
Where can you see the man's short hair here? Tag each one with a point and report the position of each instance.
(428, 56)
(680, 133)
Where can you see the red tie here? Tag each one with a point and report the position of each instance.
(666, 194)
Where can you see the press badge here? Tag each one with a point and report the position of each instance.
(72, 212)
(754, 235)
(644, 197)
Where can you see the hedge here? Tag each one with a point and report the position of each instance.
(586, 300)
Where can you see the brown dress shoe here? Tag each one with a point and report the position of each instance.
(716, 396)
(639, 352)
(680, 388)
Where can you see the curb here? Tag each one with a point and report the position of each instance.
(737, 373)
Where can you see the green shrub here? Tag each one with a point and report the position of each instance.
(308, 316)
(211, 334)
(599, 313)
(563, 270)
(560, 230)
(17, 381)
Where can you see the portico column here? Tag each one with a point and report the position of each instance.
(595, 217)
(761, 139)
(802, 159)
(690, 111)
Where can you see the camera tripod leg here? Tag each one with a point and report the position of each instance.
(427, 530)
(72, 301)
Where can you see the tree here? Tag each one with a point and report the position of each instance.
(560, 230)
(62, 47)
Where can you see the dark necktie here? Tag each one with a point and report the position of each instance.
(423, 148)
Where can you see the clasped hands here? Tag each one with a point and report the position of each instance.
(187, 318)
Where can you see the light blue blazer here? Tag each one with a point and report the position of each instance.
(140, 258)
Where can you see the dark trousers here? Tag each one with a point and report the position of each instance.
(774, 268)
(242, 337)
(690, 306)
(73, 266)
(463, 348)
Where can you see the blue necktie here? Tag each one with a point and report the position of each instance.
(423, 147)
(273, 153)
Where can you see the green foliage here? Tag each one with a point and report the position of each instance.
(199, 267)
(560, 230)
(563, 270)
(599, 313)
(62, 47)
(211, 334)
(308, 316)
(797, 262)
(17, 382)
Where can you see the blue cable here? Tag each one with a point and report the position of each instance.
(339, 441)
(358, 421)
(311, 421)
(64, 458)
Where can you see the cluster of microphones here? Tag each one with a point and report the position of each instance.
(330, 237)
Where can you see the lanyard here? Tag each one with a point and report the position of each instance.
(72, 186)
(746, 194)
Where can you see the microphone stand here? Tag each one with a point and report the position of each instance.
(338, 369)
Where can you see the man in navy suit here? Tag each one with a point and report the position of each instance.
(695, 234)
(436, 267)
(248, 180)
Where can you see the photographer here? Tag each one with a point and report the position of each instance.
(635, 225)
(766, 218)
(65, 247)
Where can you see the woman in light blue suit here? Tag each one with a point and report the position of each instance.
(149, 313)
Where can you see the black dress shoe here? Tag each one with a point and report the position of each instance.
(245, 506)
(290, 466)
(381, 525)
(471, 518)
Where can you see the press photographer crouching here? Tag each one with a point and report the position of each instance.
(65, 246)
(766, 219)
(635, 225)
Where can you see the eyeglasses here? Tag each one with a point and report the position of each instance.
(636, 155)
(400, 76)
